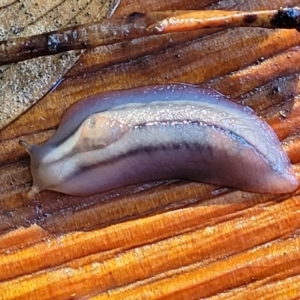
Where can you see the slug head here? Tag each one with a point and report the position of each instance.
(40, 178)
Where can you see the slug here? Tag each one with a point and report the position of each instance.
(168, 131)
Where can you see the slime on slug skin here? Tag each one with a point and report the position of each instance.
(167, 131)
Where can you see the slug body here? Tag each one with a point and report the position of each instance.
(158, 132)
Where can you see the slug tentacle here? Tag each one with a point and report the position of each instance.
(160, 132)
(26, 146)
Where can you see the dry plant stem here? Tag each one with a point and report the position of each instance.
(191, 20)
(138, 25)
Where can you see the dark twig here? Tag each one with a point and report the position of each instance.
(137, 25)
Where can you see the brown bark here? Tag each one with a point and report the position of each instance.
(161, 240)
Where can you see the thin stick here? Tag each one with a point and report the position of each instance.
(139, 25)
(288, 18)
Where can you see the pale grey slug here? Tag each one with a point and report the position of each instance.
(167, 131)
